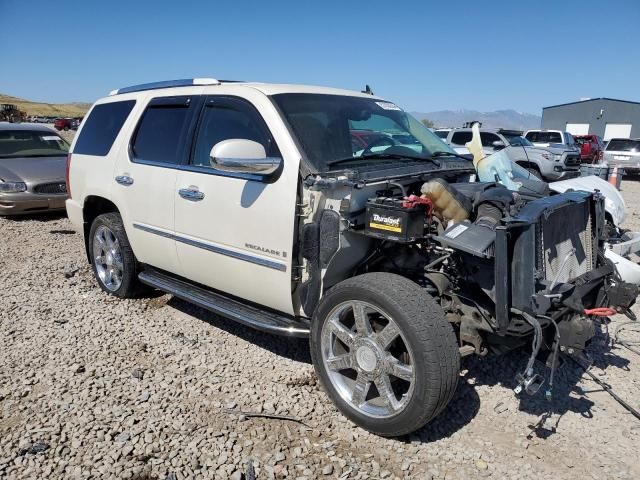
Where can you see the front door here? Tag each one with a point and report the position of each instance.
(234, 232)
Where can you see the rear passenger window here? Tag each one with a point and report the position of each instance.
(460, 138)
(102, 127)
(162, 130)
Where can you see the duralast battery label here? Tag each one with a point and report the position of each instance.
(385, 222)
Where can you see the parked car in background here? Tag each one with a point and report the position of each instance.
(32, 169)
(63, 124)
(362, 139)
(442, 132)
(546, 138)
(623, 152)
(549, 163)
(591, 148)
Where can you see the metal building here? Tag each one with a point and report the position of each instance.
(606, 117)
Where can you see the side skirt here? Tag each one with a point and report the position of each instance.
(252, 316)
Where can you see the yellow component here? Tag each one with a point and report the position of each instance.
(445, 205)
(475, 146)
(381, 226)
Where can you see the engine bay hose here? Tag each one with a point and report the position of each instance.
(537, 340)
(601, 311)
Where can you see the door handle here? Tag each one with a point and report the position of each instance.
(124, 180)
(192, 194)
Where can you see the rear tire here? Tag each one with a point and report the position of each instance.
(419, 362)
(114, 264)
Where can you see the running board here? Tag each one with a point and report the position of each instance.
(254, 317)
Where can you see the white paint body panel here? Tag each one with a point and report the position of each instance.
(628, 270)
(613, 201)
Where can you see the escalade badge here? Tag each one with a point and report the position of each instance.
(269, 251)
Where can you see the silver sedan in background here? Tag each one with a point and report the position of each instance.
(32, 169)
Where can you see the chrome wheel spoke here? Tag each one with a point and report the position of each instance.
(363, 326)
(107, 257)
(345, 335)
(360, 390)
(383, 384)
(117, 261)
(340, 362)
(109, 240)
(359, 355)
(398, 369)
(388, 335)
(101, 242)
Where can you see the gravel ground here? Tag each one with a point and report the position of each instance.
(95, 387)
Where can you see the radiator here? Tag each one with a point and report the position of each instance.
(565, 243)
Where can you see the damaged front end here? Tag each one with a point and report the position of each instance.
(509, 270)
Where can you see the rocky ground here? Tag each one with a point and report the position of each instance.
(95, 387)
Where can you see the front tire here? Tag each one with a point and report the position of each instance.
(384, 353)
(114, 264)
(535, 172)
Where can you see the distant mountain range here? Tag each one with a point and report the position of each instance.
(497, 119)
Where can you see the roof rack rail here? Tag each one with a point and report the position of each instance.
(185, 82)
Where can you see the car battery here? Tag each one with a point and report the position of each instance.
(388, 219)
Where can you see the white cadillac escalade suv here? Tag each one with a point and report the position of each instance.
(332, 214)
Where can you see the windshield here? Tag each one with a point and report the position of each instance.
(544, 137)
(624, 145)
(335, 128)
(31, 143)
(517, 141)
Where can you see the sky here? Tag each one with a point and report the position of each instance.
(423, 55)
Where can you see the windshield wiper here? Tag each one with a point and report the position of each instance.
(383, 156)
(441, 153)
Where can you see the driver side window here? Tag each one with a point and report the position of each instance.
(226, 119)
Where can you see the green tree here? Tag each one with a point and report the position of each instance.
(427, 123)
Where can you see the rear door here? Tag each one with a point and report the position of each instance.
(235, 232)
(145, 178)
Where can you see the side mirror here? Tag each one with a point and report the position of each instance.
(239, 155)
(498, 144)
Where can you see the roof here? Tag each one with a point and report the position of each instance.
(212, 83)
(593, 100)
(505, 131)
(25, 126)
(276, 88)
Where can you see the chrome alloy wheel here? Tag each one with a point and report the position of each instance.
(107, 258)
(367, 359)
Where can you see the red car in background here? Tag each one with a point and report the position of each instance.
(362, 139)
(63, 123)
(591, 148)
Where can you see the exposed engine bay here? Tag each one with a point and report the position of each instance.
(510, 269)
